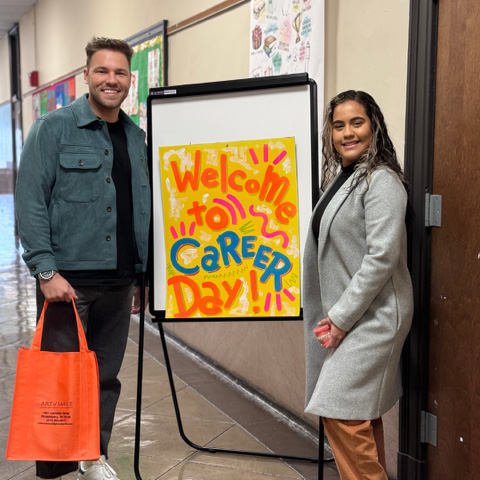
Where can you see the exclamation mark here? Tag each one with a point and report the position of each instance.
(253, 283)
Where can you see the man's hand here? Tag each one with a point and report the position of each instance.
(136, 299)
(57, 289)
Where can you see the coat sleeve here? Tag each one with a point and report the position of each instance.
(35, 180)
(384, 204)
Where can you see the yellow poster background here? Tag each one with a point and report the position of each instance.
(231, 229)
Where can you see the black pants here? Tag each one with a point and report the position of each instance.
(105, 315)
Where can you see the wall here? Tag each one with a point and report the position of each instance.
(4, 71)
(366, 49)
(192, 57)
(368, 53)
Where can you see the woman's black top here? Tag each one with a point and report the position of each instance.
(325, 200)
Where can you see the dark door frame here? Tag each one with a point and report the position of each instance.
(419, 146)
(15, 94)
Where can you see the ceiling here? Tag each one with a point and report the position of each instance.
(11, 12)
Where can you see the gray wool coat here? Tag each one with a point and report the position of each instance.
(357, 275)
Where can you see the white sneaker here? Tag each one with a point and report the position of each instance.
(98, 470)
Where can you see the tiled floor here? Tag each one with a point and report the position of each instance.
(214, 413)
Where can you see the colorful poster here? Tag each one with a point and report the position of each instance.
(147, 72)
(231, 229)
(286, 37)
(55, 96)
(130, 104)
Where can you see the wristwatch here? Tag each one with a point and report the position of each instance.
(47, 275)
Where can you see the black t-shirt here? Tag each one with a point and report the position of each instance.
(127, 254)
(327, 197)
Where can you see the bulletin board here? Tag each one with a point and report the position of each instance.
(231, 136)
(148, 68)
(58, 95)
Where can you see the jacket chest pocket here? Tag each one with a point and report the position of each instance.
(80, 176)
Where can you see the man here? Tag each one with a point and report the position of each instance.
(83, 208)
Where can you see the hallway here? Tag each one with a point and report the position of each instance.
(214, 412)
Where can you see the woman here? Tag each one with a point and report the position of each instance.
(359, 287)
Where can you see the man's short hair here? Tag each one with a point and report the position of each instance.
(104, 43)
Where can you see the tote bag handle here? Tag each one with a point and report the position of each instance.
(37, 338)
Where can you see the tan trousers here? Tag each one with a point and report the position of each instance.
(358, 448)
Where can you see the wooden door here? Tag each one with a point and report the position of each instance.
(454, 352)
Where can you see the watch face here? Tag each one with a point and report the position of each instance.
(48, 275)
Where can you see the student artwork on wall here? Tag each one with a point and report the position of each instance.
(286, 37)
(231, 229)
(55, 96)
(148, 71)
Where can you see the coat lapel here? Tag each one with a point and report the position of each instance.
(331, 211)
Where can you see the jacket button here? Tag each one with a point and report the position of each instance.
(109, 209)
(108, 238)
(108, 180)
(34, 268)
(106, 152)
(80, 163)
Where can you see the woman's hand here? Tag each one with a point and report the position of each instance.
(336, 334)
(136, 299)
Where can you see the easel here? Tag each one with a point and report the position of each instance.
(190, 114)
(320, 460)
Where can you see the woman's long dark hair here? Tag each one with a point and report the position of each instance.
(380, 153)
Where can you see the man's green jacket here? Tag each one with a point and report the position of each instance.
(65, 196)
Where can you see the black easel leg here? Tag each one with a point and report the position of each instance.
(138, 413)
(174, 393)
(179, 420)
(321, 448)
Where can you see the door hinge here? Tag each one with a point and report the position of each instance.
(428, 428)
(433, 210)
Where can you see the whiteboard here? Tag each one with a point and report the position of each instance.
(261, 108)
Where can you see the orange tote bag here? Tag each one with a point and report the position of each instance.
(55, 412)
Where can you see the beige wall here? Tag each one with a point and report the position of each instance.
(4, 71)
(366, 45)
(366, 49)
(197, 54)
